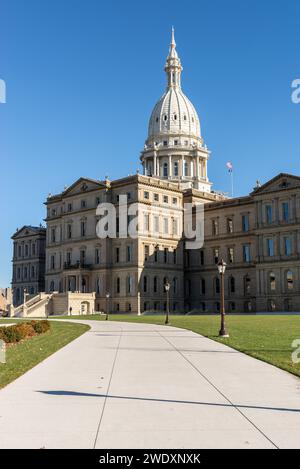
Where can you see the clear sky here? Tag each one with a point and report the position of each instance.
(83, 76)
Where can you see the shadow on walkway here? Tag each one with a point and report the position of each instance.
(240, 406)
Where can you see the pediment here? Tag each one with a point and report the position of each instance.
(27, 231)
(280, 182)
(83, 185)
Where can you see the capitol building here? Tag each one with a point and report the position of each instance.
(67, 268)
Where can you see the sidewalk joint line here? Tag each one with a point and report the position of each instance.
(107, 391)
(218, 390)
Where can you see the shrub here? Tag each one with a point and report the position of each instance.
(40, 326)
(23, 330)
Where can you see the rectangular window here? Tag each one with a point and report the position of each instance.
(146, 195)
(166, 199)
(97, 256)
(70, 207)
(52, 262)
(202, 257)
(165, 255)
(231, 255)
(82, 257)
(216, 255)
(69, 259)
(33, 249)
(287, 246)
(245, 222)
(174, 256)
(83, 204)
(156, 224)
(146, 252)
(174, 226)
(246, 253)
(156, 197)
(174, 200)
(215, 227)
(129, 253)
(285, 211)
(53, 235)
(69, 231)
(166, 225)
(269, 214)
(83, 228)
(229, 225)
(98, 200)
(146, 221)
(270, 247)
(117, 255)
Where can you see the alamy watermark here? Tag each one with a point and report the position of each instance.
(296, 353)
(140, 219)
(295, 96)
(2, 92)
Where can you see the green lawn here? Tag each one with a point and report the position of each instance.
(268, 338)
(25, 355)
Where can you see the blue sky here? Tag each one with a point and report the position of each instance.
(82, 78)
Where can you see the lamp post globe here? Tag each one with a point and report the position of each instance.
(221, 269)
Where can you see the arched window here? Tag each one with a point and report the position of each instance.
(272, 281)
(247, 285)
(145, 284)
(176, 168)
(232, 284)
(290, 280)
(186, 169)
(165, 170)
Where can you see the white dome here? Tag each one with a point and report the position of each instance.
(174, 114)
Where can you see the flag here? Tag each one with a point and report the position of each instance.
(229, 166)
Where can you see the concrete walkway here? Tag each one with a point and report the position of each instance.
(126, 385)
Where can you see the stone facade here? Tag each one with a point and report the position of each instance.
(258, 236)
(29, 245)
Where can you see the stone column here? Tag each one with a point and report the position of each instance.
(154, 164)
(170, 166)
(197, 167)
(181, 170)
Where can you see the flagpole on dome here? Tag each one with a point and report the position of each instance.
(229, 166)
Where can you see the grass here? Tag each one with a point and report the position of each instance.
(25, 355)
(268, 338)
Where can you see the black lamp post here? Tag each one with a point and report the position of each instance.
(107, 305)
(167, 289)
(221, 269)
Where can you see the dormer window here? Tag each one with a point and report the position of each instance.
(184, 117)
(175, 117)
(156, 120)
(165, 117)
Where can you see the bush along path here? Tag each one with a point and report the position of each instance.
(23, 331)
